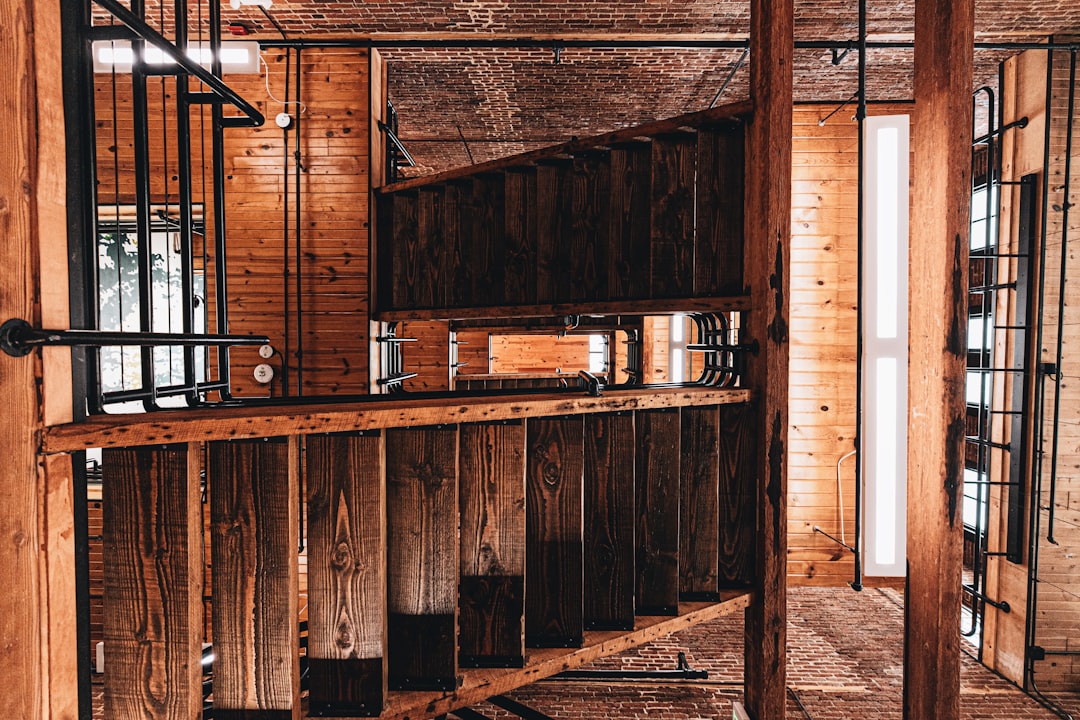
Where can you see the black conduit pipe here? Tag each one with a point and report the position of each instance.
(220, 244)
(298, 233)
(857, 582)
(285, 225)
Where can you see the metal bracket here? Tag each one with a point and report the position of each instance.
(592, 383)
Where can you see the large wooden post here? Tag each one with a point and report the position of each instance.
(768, 253)
(944, 35)
(37, 606)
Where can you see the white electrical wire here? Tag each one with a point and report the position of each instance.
(266, 78)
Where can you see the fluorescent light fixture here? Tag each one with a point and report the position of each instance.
(237, 56)
(883, 435)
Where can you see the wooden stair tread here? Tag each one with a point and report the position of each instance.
(480, 684)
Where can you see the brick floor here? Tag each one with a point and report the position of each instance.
(845, 655)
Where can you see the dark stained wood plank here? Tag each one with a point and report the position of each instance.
(657, 481)
(254, 501)
(456, 199)
(346, 574)
(937, 306)
(768, 263)
(554, 195)
(553, 551)
(486, 240)
(406, 250)
(674, 164)
(699, 534)
(589, 217)
(520, 226)
(737, 495)
(629, 269)
(432, 260)
(385, 256)
(611, 307)
(422, 550)
(609, 521)
(718, 244)
(492, 585)
(152, 569)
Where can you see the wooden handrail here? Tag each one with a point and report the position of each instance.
(254, 422)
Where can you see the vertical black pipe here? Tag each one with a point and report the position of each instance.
(220, 244)
(140, 114)
(299, 268)
(83, 298)
(183, 175)
(285, 227)
(856, 584)
(1061, 291)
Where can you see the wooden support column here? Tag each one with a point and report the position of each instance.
(346, 542)
(609, 521)
(768, 256)
(553, 550)
(944, 41)
(492, 585)
(254, 516)
(152, 565)
(422, 550)
(37, 608)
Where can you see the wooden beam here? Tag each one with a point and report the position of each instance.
(492, 583)
(37, 618)
(768, 262)
(422, 557)
(153, 570)
(938, 270)
(346, 542)
(257, 422)
(254, 518)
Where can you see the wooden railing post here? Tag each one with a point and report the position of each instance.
(937, 319)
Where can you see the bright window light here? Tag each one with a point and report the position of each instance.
(236, 56)
(883, 435)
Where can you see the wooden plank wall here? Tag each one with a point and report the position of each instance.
(824, 301)
(334, 185)
(1058, 600)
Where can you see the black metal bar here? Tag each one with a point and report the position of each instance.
(1021, 123)
(212, 79)
(167, 391)
(396, 142)
(396, 378)
(522, 711)
(285, 271)
(299, 256)
(183, 176)
(474, 42)
(1065, 205)
(18, 338)
(856, 583)
(730, 76)
(1003, 605)
(834, 539)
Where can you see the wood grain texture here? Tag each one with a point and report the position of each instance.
(590, 200)
(718, 242)
(485, 240)
(254, 499)
(410, 289)
(657, 509)
(152, 565)
(422, 551)
(253, 422)
(631, 192)
(346, 572)
(609, 521)
(554, 228)
(674, 170)
(938, 270)
(699, 512)
(738, 495)
(767, 267)
(553, 551)
(520, 227)
(492, 575)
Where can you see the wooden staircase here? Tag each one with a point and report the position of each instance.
(644, 220)
(446, 562)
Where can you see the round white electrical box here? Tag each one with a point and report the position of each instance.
(263, 373)
(283, 120)
(266, 351)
